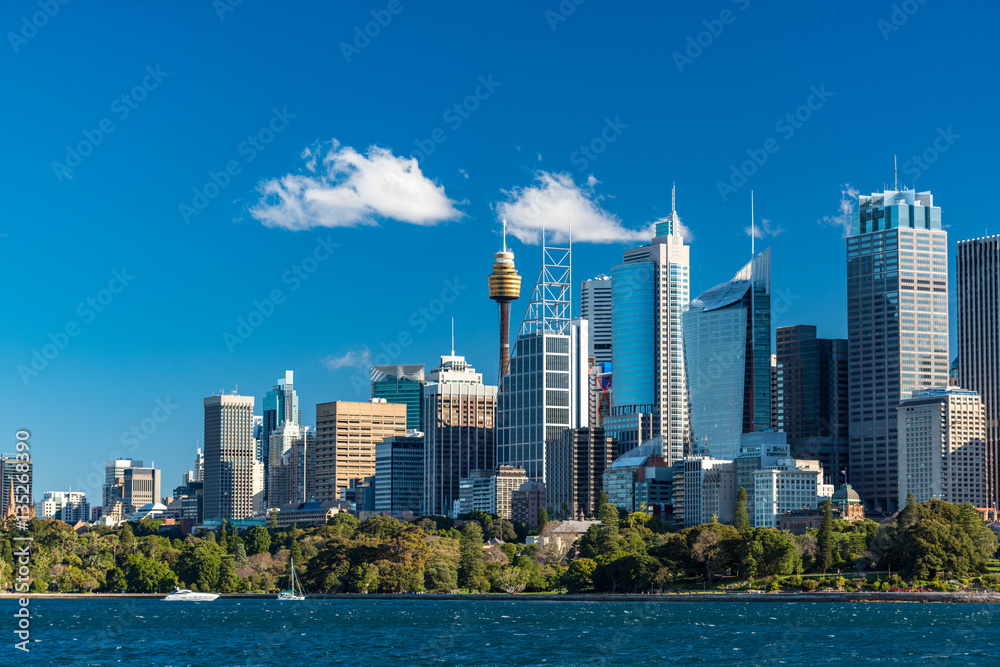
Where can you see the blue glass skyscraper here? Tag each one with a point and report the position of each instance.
(727, 353)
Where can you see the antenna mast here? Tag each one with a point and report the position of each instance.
(753, 319)
(895, 174)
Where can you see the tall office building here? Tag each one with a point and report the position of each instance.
(402, 383)
(292, 468)
(897, 327)
(281, 408)
(811, 400)
(977, 286)
(650, 290)
(399, 473)
(576, 465)
(595, 307)
(15, 474)
(459, 438)
(942, 446)
(114, 472)
(141, 486)
(727, 353)
(346, 435)
(546, 389)
(234, 477)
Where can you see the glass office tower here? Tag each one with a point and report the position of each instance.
(897, 328)
(727, 355)
(281, 408)
(595, 307)
(402, 383)
(649, 292)
(977, 284)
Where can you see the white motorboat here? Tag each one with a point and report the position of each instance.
(295, 591)
(185, 595)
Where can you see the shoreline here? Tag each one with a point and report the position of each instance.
(693, 596)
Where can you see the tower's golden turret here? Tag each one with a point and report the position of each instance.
(505, 286)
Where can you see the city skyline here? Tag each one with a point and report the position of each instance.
(132, 321)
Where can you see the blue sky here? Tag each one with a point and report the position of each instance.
(284, 104)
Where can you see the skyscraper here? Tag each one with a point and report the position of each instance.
(977, 284)
(650, 290)
(16, 474)
(234, 477)
(114, 472)
(141, 486)
(346, 435)
(727, 355)
(459, 435)
(595, 307)
(546, 389)
(811, 397)
(942, 446)
(576, 466)
(897, 327)
(281, 407)
(402, 383)
(291, 470)
(399, 473)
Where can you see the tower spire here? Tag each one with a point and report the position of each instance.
(453, 336)
(673, 199)
(895, 174)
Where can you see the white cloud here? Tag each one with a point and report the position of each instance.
(356, 358)
(340, 187)
(765, 228)
(561, 200)
(843, 219)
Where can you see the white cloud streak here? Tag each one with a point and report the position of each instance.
(765, 228)
(555, 200)
(356, 358)
(845, 216)
(340, 187)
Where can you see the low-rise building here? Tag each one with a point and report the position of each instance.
(792, 484)
(67, 506)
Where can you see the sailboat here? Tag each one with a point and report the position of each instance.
(295, 591)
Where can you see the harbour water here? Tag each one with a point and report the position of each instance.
(403, 632)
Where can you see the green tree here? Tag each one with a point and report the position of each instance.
(441, 577)
(126, 539)
(543, 518)
(257, 541)
(145, 575)
(741, 520)
(471, 564)
(579, 578)
(602, 500)
(240, 556)
(364, 577)
(116, 580)
(824, 540)
(228, 581)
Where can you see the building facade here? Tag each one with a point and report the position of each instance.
(346, 435)
(789, 485)
(811, 397)
(727, 350)
(709, 490)
(399, 473)
(140, 486)
(897, 325)
(66, 506)
(459, 413)
(942, 446)
(576, 465)
(650, 291)
(595, 307)
(281, 410)
(234, 477)
(503, 484)
(527, 502)
(402, 383)
(18, 486)
(977, 287)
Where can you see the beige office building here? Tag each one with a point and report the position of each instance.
(942, 446)
(346, 435)
(503, 484)
(234, 478)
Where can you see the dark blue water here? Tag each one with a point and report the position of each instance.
(398, 633)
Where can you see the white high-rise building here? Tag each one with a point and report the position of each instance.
(114, 472)
(595, 307)
(234, 478)
(942, 446)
